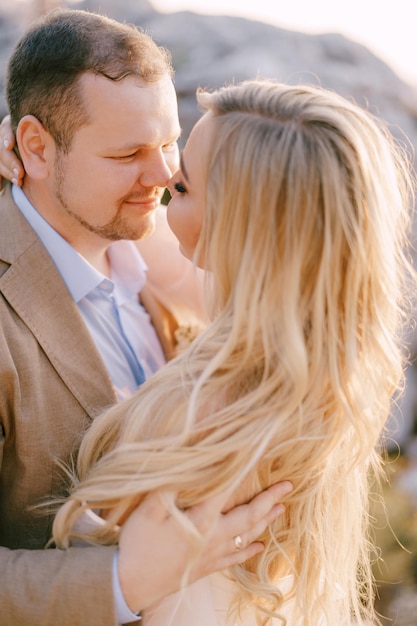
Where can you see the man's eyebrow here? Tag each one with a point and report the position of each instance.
(183, 169)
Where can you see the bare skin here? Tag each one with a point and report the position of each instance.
(11, 167)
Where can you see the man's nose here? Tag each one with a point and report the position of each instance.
(156, 172)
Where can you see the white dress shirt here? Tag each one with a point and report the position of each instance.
(118, 323)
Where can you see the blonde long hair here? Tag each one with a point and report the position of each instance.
(305, 225)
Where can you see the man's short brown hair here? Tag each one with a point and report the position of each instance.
(49, 59)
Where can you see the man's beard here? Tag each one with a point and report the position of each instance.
(115, 230)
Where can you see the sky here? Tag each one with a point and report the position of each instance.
(387, 27)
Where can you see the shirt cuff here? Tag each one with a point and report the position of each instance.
(124, 614)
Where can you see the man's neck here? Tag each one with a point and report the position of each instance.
(91, 247)
(99, 260)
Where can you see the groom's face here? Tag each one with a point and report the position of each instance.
(112, 179)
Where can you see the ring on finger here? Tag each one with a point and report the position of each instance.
(238, 542)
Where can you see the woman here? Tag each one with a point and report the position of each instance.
(296, 202)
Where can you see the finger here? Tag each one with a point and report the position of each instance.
(242, 540)
(10, 166)
(236, 558)
(249, 517)
(205, 515)
(243, 547)
(241, 518)
(6, 132)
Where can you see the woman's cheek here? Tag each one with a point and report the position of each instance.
(174, 217)
(183, 223)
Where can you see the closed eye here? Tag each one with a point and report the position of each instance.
(125, 156)
(173, 145)
(121, 157)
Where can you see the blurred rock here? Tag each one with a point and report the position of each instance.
(210, 51)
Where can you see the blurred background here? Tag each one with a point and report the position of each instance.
(365, 50)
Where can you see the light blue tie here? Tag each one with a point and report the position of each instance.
(131, 357)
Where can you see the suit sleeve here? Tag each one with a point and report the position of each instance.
(51, 587)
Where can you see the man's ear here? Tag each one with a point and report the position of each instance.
(36, 147)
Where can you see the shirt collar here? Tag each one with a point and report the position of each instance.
(128, 269)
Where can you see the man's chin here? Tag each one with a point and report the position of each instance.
(133, 232)
(145, 232)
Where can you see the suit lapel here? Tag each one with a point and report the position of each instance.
(35, 290)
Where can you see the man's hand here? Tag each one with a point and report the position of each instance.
(154, 549)
(10, 166)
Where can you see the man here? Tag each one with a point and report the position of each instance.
(94, 111)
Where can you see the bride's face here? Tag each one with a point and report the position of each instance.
(188, 189)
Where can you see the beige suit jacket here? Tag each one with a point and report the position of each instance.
(52, 384)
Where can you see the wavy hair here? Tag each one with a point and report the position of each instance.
(305, 232)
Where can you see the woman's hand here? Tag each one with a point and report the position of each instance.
(154, 549)
(10, 166)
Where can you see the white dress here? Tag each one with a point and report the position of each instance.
(206, 603)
